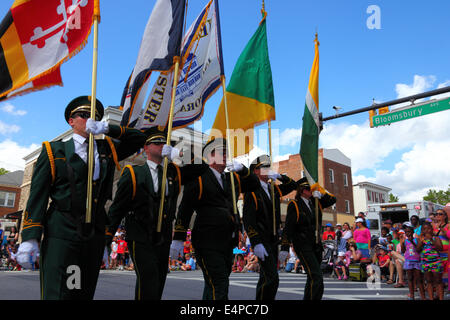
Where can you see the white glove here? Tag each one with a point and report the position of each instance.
(260, 251)
(272, 175)
(176, 248)
(282, 256)
(27, 249)
(317, 194)
(170, 152)
(96, 127)
(234, 166)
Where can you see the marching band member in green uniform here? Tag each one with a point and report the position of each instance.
(138, 199)
(216, 228)
(300, 230)
(259, 222)
(70, 254)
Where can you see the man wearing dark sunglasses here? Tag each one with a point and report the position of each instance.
(138, 199)
(70, 250)
(300, 230)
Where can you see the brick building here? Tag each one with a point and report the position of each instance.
(335, 175)
(10, 192)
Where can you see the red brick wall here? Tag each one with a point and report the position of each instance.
(291, 167)
(337, 188)
(6, 210)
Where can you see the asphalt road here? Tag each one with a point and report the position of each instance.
(188, 285)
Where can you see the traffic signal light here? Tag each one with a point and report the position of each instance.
(383, 110)
(371, 114)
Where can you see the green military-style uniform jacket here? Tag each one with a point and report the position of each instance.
(61, 176)
(216, 226)
(137, 201)
(51, 181)
(300, 226)
(258, 212)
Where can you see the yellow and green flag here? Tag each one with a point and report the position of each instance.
(249, 94)
(311, 126)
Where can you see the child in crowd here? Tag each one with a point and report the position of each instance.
(383, 237)
(341, 265)
(412, 263)
(239, 263)
(354, 253)
(190, 263)
(252, 263)
(429, 247)
(383, 261)
(441, 231)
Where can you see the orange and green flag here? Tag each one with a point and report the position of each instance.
(249, 94)
(309, 145)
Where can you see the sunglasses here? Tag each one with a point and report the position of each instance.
(440, 214)
(155, 143)
(84, 115)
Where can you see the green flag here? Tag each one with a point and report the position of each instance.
(249, 94)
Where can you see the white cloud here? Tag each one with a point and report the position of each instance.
(281, 157)
(290, 137)
(9, 108)
(420, 84)
(6, 128)
(424, 167)
(11, 154)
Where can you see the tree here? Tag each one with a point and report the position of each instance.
(3, 171)
(438, 196)
(392, 198)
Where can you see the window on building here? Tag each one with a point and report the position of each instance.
(347, 206)
(331, 173)
(345, 180)
(7, 199)
(382, 198)
(368, 196)
(376, 197)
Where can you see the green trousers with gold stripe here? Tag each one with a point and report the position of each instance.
(311, 260)
(69, 269)
(151, 263)
(216, 267)
(267, 286)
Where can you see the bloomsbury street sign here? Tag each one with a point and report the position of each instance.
(412, 111)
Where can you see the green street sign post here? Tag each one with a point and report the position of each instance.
(413, 111)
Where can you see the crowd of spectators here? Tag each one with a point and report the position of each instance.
(412, 253)
(8, 250)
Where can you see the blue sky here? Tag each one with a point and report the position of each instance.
(409, 54)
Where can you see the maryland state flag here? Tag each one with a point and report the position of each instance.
(249, 94)
(36, 37)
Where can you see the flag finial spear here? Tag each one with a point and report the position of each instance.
(263, 11)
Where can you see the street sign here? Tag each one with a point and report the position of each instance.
(412, 111)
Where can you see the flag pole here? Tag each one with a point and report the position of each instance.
(169, 137)
(228, 141)
(272, 183)
(317, 200)
(93, 107)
